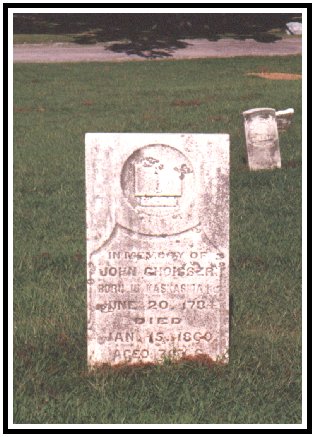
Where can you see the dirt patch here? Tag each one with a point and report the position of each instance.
(62, 339)
(276, 76)
(20, 109)
(149, 116)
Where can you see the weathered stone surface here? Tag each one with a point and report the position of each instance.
(284, 119)
(157, 208)
(294, 28)
(262, 140)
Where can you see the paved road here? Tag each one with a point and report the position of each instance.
(197, 48)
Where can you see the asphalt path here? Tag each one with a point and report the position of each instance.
(197, 48)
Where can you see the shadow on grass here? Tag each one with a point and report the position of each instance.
(153, 35)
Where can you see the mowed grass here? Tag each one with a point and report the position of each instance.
(54, 106)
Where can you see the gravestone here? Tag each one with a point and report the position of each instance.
(262, 140)
(284, 119)
(157, 210)
(294, 28)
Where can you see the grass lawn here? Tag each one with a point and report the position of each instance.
(39, 38)
(54, 106)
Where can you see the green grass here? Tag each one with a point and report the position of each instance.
(54, 105)
(42, 38)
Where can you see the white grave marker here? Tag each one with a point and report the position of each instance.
(284, 119)
(262, 140)
(157, 247)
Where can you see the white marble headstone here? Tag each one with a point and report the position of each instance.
(284, 119)
(157, 210)
(262, 140)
